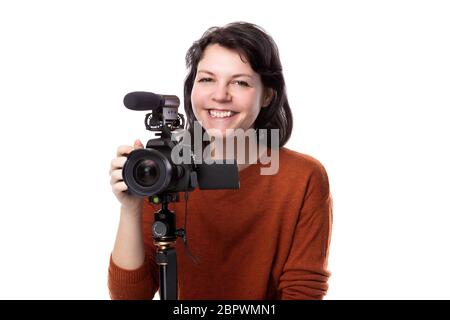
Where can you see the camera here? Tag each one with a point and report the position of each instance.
(157, 169)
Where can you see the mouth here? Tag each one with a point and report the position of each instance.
(221, 114)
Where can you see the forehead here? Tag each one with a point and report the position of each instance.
(218, 59)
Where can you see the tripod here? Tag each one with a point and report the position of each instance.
(164, 237)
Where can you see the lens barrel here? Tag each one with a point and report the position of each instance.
(147, 172)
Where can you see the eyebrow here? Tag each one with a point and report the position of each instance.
(233, 76)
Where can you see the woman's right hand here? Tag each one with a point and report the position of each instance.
(129, 202)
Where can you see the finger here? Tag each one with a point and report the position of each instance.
(117, 163)
(138, 144)
(120, 186)
(114, 180)
(124, 150)
(116, 175)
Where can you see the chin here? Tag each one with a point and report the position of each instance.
(217, 133)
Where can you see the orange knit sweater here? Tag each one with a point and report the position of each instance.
(267, 240)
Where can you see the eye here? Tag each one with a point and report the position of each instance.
(205, 80)
(241, 83)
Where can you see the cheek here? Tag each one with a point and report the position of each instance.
(194, 96)
(252, 109)
(252, 104)
(195, 101)
(198, 97)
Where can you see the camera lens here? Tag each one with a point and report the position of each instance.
(146, 172)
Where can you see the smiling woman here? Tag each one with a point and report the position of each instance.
(270, 238)
(237, 68)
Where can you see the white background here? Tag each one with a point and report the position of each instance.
(368, 83)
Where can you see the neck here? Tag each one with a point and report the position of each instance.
(241, 152)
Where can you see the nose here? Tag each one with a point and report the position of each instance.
(221, 93)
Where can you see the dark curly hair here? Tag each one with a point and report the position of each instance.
(259, 49)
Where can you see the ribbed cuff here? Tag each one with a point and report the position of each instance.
(124, 276)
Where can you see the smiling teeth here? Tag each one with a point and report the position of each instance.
(220, 114)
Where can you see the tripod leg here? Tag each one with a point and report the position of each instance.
(167, 261)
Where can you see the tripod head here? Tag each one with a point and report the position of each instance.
(164, 228)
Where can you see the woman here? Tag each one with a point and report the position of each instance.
(267, 240)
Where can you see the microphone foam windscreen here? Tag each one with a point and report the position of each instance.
(141, 100)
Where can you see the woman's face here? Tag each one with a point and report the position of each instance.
(227, 92)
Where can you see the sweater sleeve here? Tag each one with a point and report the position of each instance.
(138, 284)
(305, 272)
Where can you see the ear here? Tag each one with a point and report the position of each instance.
(268, 96)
